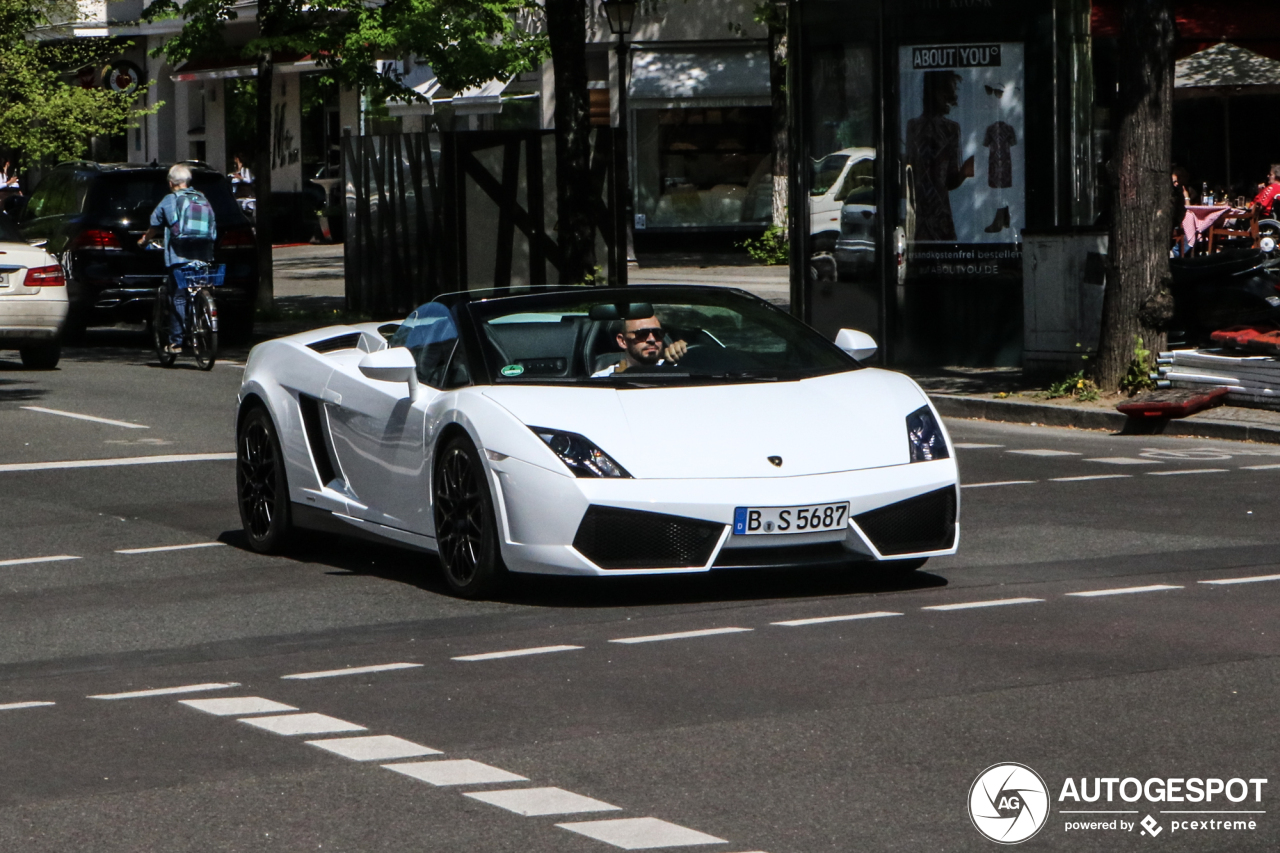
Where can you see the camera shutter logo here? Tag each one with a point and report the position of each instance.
(1008, 803)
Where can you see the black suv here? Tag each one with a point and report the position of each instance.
(90, 216)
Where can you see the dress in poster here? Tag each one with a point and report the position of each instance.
(962, 150)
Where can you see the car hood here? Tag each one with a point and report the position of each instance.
(845, 422)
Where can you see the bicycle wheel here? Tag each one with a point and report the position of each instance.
(204, 329)
(160, 327)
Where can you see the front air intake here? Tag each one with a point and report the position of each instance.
(924, 523)
(630, 539)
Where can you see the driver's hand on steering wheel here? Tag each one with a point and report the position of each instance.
(676, 351)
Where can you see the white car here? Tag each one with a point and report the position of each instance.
(33, 300)
(840, 174)
(496, 431)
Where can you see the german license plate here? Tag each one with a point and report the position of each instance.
(811, 518)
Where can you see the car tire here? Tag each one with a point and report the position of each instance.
(466, 524)
(262, 486)
(41, 357)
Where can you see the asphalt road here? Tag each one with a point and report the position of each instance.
(751, 734)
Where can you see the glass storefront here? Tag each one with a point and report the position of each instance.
(703, 167)
(932, 137)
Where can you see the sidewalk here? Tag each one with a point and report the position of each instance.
(1003, 394)
(312, 276)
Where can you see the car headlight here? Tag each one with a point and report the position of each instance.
(924, 434)
(583, 457)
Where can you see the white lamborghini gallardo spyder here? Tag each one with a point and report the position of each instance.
(588, 431)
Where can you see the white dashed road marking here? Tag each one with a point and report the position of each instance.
(80, 417)
(534, 802)
(1045, 452)
(515, 653)
(681, 635)
(455, 772)
(374, 747)
(355, 670)
(995, 602)
(1187, 471)
(820, 620)
(1254, 579)
(1091, 477)
(1259, 467)
(236, 706)
(26, 561)
(971, 446)
(112, 463)
(999, 483)
(1094, 593)
(302, 724)
(1123, 460)
(170, 691)
(18, 706)
(641, 833)
(159, 548)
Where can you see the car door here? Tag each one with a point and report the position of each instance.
(381, 434)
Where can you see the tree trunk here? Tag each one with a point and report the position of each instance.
(262, 183)
(1137, 303)
(781, 140)
(567, 32)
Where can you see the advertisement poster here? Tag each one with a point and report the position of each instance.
(963, 157)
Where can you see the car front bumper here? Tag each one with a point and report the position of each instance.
(541, 511)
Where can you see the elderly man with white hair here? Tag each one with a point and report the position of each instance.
(186, 219)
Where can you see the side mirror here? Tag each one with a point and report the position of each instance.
(392, 365)
(860, 345)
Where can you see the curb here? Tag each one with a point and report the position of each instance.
(1014, 412)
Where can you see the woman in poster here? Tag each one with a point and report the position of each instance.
(933, 155)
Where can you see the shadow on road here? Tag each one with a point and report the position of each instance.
(355, 557)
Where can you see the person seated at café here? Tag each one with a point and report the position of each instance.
(1268, 192)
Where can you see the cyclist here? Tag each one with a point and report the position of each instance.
(187, 221)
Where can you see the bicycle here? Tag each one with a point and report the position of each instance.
(199, 321)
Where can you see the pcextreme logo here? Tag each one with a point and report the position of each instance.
(1008, 803)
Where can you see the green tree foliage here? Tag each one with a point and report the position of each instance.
(43, 116)
(466, 42)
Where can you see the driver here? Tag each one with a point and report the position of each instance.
(641, 341)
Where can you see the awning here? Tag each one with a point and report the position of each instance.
(1226, 69)
(484, 99)
(227, 67)
(708, 77)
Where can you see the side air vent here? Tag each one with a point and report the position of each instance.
(313, 425)
(348, 341)
(924, 523)
(630, 539)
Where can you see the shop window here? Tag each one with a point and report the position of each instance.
(703, 167)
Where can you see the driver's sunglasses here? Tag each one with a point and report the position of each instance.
(644, 334)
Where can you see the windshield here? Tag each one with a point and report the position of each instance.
(826, 172)
(676, 335)
(134, 194)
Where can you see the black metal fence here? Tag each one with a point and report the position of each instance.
(430, 213)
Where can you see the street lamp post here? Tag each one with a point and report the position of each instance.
(621, 15)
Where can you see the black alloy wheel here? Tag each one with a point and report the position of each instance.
(466, 525)
(160, 327)
(204, 329)
(262, 489)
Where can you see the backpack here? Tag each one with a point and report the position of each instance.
(193, 218)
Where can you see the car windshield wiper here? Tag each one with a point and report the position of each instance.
(735, 376)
